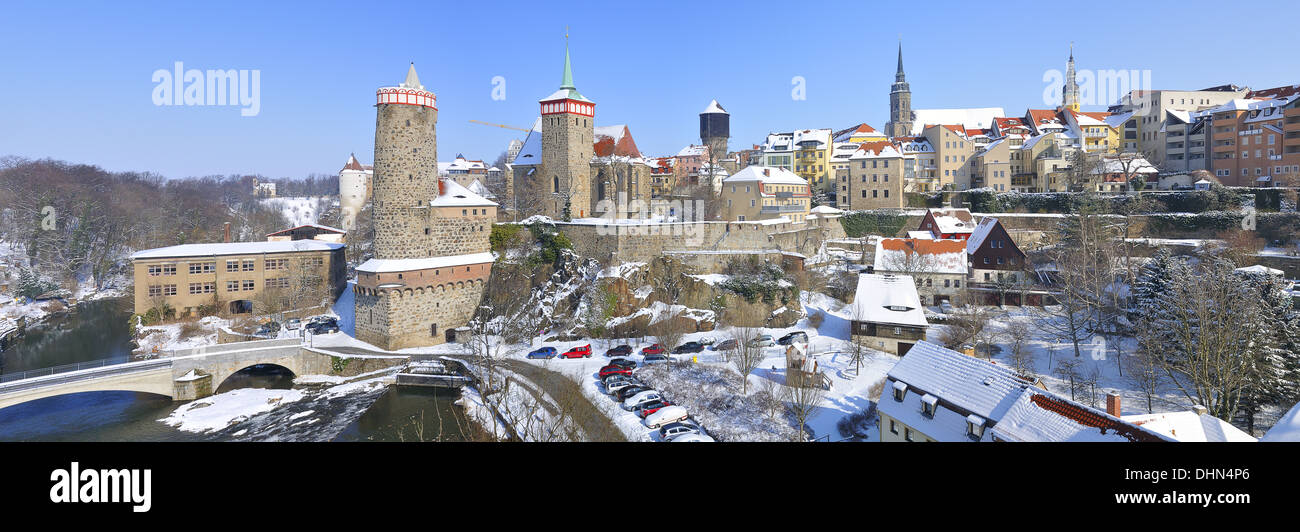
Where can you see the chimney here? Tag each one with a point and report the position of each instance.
(1112, 404)
(1200, 410)
(227, 229)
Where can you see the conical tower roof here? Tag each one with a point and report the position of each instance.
(567, 89)
(412, 79)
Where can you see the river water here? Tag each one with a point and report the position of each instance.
(99, 330)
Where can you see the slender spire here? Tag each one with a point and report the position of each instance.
(567, 81)
(899, 76)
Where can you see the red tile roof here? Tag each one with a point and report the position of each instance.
(1089, 418)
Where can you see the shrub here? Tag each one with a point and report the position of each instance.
(861, 223)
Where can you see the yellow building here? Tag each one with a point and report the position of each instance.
(764, 193)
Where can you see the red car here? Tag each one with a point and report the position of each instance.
(578, 352)
(651, 407)
(654, 349)
(613, 370)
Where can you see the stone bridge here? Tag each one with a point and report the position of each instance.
(188, 374)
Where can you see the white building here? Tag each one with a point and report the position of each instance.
(354, 190)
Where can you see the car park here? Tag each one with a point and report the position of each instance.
(688, 347)
(763, 341)
(692, 438)
(578, 352)
(644, 397)
(620, 351)
(665, 415)
(675, 429)
(654, 349)
(725, 345)
(797, 336)
(545, 352)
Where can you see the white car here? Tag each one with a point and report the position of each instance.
(644, 397)
(763, 341)
(692, 438)
(665, 415)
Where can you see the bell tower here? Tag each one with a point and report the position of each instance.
(568, 128)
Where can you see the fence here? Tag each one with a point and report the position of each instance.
(66, 368)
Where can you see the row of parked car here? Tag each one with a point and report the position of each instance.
(635, 395)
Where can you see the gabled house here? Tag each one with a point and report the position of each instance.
(937, 394)
(938, 267)
(993, 255)
(886, 313)
(948, 223)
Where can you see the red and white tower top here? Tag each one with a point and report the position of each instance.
(568, 100)
(410, 92)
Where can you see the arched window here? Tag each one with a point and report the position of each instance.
(556, 183)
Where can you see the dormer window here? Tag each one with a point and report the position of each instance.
(928, 403)
(900, 390)
(974, 427)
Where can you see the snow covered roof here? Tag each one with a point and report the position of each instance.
(478, 188)
(614, 141)
(877, 150)
(977, 386)
(1287, 427)
(1189, 426)
(1115, 165)
(920, 235)
(818, 137)
(825, 209)
(1260, 268)
(235, 248)
(949, 221)
(766, 175)
(693, 150)
(1040, 416)
(981, 232)
(405, 265)
(317, 226)
(456, 195)
(460, 165)
(714, 108)
(1116, 120)
(353, 164)
(977, 118)
(531, 151)
(888, 299)
(931, 256)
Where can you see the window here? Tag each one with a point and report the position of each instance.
(928, 404)
(907, 434)
(893, 427)
(247, 265)
(232, 266)
(155, 290)
(202, 267)
(900, 391)
(248, 285)
(162, 269)
(232, 286)
(974, 427)
(277, 264)
(203, 288)
(279, 282)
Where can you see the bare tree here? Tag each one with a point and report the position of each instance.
(803, 402)
(1018, 335)
(747, 354)
(668, 329)
(1145, 367)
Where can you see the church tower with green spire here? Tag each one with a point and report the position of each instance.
(568, 127)
(900, 102)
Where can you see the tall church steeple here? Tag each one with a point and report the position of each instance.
(1070, 92)
(900, 102)
(567, 135)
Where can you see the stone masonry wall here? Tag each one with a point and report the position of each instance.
(401, 318)
(405, 178)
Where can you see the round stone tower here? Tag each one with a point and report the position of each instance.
(406, 168)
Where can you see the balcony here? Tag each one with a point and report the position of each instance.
(781, 209)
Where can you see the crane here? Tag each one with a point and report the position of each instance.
(500, 125)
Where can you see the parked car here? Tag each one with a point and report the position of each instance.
(651, 407)
(578, 352)
(325, 326)
(725, 345)
(665, 415)
(763, 341)
(689, 347)
(293, 324)
(613, 370)
(675, 429)
(623, 362)
(654, 349)
(644, 397)
(269, 328)
(613, 386)
(545, 352)
(654, 359)
(692, 438)
(797, 336)
(945, 307)
(631, 391)
(620, 351)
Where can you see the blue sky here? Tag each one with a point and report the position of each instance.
(75, 79)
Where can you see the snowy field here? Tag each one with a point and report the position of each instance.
(298, 210)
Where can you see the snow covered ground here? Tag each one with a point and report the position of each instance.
(299, 210)
(164, 338)
(222, 410)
